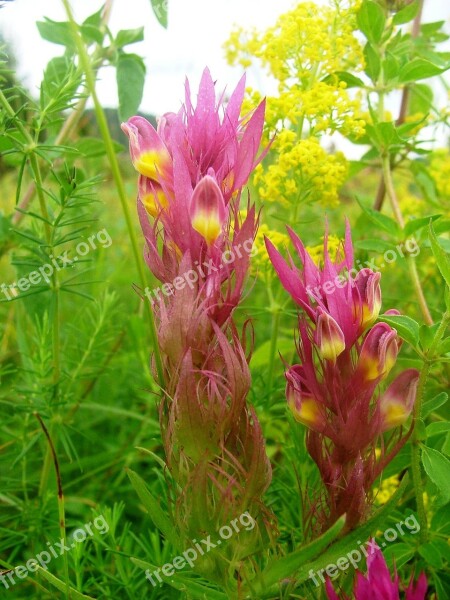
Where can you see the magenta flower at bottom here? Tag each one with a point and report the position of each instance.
(377, 584)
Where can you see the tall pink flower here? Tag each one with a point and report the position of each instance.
(191, 172)
(378, 585)
(336, 389)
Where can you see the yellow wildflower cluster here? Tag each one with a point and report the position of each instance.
(307, 41)
(302, 52)
(316, 252)
(440, 172)
(260, 261)
(386, 489)
(302, 170)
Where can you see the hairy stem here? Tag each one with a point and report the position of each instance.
(415, 448)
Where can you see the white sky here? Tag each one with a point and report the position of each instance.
(196, 33)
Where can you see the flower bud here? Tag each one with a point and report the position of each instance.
(207, 209)
(149, 154)
(329, 336)
(397, 402)
(378, 353)
(303, 405)
(367, 297)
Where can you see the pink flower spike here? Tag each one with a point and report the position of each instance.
(149, 154)
(207, 209)
(397, 402)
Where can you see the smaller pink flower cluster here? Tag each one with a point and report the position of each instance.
(335, 390)
(377, 585)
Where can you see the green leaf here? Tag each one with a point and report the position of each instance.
(398, 554)
(418, 68)
(438, 428)
(431, 405)
(420, 99)
(416, 224)
(388, 135)
(406, 14)
(130, 74)
(373, 63)
(57, 32)
(153, 508)
(286, 566)
(91, 28)
(350, 79)
(371, 21)
(184, 582)
(160, 8)
(346, 544)
(437, 467)
(129, 36)
(391, 66)
(407, 328)
(381, 220)
(61, 586)
(261, 356)
(379, 245)
(443, 261)
(426, 335)
(431, 554)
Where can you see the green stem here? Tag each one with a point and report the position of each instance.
(415, 448)
(273, 343)
(112, 158)
(390, 190)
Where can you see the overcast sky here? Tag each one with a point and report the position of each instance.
(196, 33)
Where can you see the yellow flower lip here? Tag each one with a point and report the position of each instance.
(152, 163)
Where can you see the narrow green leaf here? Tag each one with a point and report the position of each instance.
(416, 224)
(407, 328)
(183, 582)
(371, 21)
(61, 586)
(286, 566)
(160, 8)
(153, 508)
(130, 75)
(381, 220)
(437, 467)
(443, 261)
